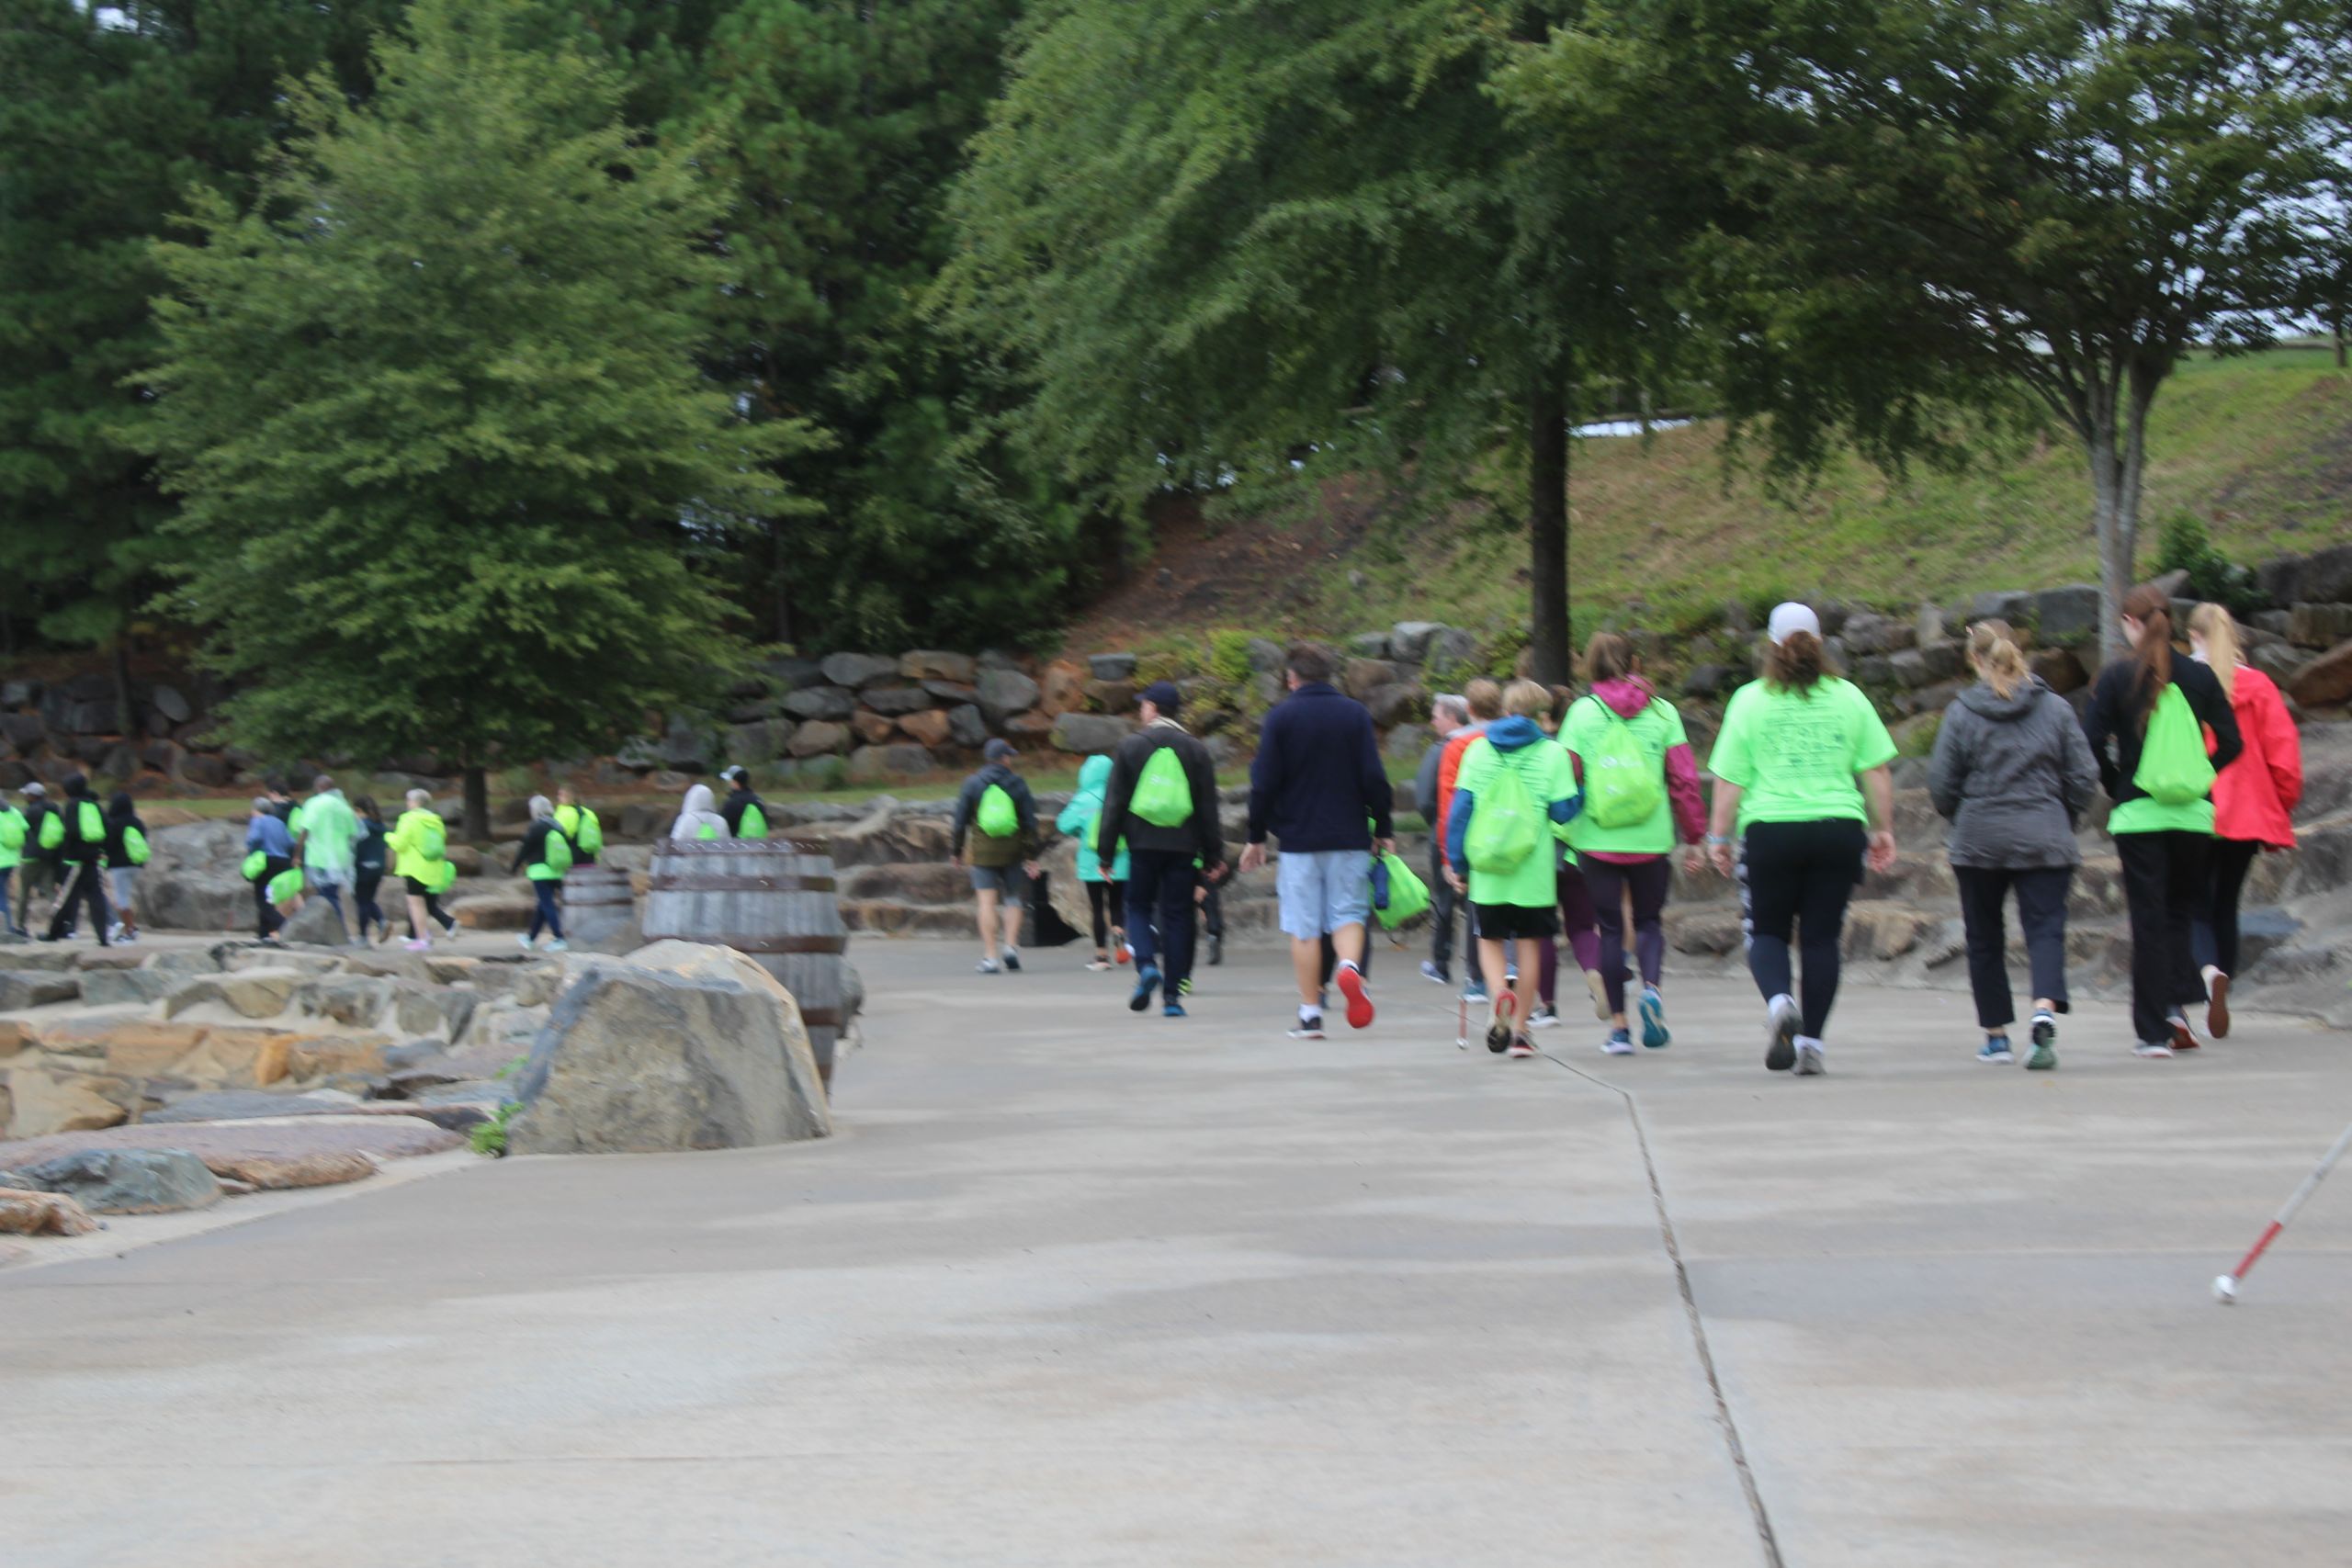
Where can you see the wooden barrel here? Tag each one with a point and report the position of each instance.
(600, 909)
(770, 899)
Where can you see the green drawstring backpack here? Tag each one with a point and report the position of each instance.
(134, 847)
(253, 865)
(1163, 795)
(997, 816)
(754, 823)
(1505, 823)
(1408, 895)
(1622, 787)
(555, 852)
(286, 885)
(2175, 769)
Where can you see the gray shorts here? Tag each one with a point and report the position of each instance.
(1322, 890)
(1003, 879)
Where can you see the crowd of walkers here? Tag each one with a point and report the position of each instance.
(1557, 815)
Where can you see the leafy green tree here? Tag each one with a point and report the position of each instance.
(838, 125)
(1940, 212)
(1218, 239)
(450, 472)
(108, 114)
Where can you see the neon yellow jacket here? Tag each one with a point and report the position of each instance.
(408, 837)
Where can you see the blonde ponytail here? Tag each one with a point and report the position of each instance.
(1993, 648)
(2223, 644)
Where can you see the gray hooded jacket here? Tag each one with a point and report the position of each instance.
(2014, 774)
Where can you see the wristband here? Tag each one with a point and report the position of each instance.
(1717, 839)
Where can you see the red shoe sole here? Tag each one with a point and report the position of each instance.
(1351, 984)
(2183, 1038)
(2217, 1008)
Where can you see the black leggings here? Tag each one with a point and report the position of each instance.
(1606, 882)
(85, 881)
(2164, 886)
(2213, 934)
(2042, 913)
(1108, 903)
(1798, 877)
(364, 905)
(266, 919)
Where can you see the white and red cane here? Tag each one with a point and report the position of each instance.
(2225, 1288)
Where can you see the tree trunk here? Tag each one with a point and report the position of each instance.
(2114, 557)
(2339, 343)
(477, 823)
(1547, 534)
(126, 711)
(779, 586)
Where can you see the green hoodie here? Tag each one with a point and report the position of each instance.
(1080, 816)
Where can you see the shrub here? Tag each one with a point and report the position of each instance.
(2186, 545)
(490, 1137)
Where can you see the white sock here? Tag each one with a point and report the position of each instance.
(1308, 1013)
(1774, 1005)
(1808, 1042)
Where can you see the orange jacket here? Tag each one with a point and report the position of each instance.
(1449, 767)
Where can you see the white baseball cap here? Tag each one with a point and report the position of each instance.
(1792, 618)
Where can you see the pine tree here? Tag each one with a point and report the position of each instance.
(450, 473)
(109, 114)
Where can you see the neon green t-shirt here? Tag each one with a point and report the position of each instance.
(1543, 767)
(1657, 730)
(1795, 754)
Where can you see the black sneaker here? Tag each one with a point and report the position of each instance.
(1308, 1028)
(1217, 951)
(1012, 959)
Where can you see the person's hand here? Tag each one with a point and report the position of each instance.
(1253, 857)
(1694, 860)
(1034, 869)
(1721, 854)
(1453, 880)
(956, 861)
(1200, 892)
(1384, 846)
(1882, 855)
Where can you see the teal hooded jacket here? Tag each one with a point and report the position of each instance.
(1079, 815)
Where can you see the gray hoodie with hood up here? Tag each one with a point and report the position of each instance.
(2014, 774)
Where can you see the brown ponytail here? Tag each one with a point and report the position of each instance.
(2152, 653)
(1993, 649)
(1797, 664)
(1609, 657)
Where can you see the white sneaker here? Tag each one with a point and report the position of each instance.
(1616, 1045)
(558, 946)
(987, 967)
(1598, 987)
(522, 941)
(1809, 1064)
(2153, 1048)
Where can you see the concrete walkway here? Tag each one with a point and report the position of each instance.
(1077, 1287)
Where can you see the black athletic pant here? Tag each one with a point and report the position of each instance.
(1795, 880)
(1160, 920)
(364, 905)
(1213, 910)
(266, 919)
(2213, 935)
(1606, 881)
(2163, 888)
(84, 881)
(1107, 901)
(2041, 915)
(1441, 901)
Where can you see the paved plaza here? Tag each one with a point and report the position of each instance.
(1077, 1287)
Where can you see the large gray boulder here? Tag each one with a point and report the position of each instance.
(856, 670)
(1086, 733)
(123, 1181)
(190, 880)
(1003, 693)
(681, 1045)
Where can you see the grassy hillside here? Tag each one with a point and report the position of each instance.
(2260, 448)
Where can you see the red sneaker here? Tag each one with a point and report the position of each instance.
(1351, 983)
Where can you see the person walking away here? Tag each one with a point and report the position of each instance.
(1449, 713)
(281, 801)
(698, 819)
(368, 859)
(1520, 779)
(39, 875)
(267, 836)
(994, 835)
(2013, 774)
(325, 830)
(1106, 889)
(746, 813)
(1800, 768)
(2148, 722)
(1162, 806)
(1485, 700)
(2253, 801)
(543, 856)
(420, 850)
(16, 836)
(76, 831)
(1633, 765)
(126, 850)
(1579, 923)
(1318, 786)
(578, 823)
